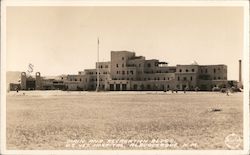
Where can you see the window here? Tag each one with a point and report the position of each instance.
(132, 72)
(214, 70)
(80, 79)
(117, 72)
(192, 70)
(191, 78)
(206, 71)
(219, 78)
(164, 78)
(149, 65)
(122, 58)
(180, 70)
(122, 65)
(101, 66)
(184, 78)
(123, 72)
(178, 78)
(117, 65)
(139, 65)
(186, 70)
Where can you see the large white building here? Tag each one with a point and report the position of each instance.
(126, 71)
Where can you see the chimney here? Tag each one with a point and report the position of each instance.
(240, 71)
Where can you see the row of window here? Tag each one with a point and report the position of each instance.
(185, 78)
(155, 78)
(191, 78)
(100, 66)
(91, 73)
(205, 70)
(139, 65)
(129, 65)
(123, 65)
(148, 86)
(158, 78)
(93, 79)
(145, 79)
(202, 70)
(187, 70)
(123, 79)
(158, 71)
(124, 72)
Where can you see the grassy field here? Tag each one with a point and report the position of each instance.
(50, 119)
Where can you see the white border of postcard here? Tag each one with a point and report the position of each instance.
(239, 3)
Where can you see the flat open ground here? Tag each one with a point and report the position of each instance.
(50, 119)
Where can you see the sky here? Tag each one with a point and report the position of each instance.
(63, 40)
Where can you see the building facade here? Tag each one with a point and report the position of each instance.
(126, 71)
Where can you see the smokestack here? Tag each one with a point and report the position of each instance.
(240, 71)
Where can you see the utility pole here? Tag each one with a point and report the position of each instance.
(97, 66)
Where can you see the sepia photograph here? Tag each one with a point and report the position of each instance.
(133, 77)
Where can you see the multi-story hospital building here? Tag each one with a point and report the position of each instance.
(126, 71)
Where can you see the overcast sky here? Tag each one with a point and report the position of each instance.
(63, 40)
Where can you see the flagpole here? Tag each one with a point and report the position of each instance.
(97, 66)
